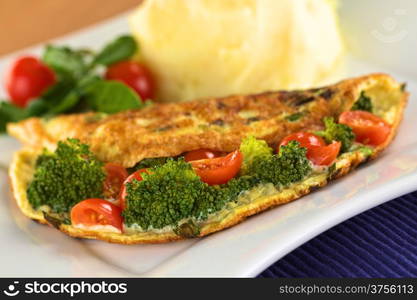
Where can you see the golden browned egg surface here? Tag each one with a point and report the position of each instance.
(218, 124)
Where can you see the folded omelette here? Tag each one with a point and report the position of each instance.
(172, 200)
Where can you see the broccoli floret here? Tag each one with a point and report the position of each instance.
(173, 192)
(363, 103)
(252, 148)
(219, 195)
(165, 196)
(290, 165)
(64, 177)
(337, 132)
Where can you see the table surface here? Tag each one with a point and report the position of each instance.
(378, 243)
(27, 22)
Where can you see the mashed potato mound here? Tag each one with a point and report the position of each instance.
(205, 48)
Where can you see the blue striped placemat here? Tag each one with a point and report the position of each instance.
(381, 242)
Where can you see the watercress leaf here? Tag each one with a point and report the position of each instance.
(75, 94)
(57, 99)
(86, 81)
(68, 101)
(120, 49)
(58, 91)
(65, 61)
(66, 94)
(10, 113)
(111, 97)
(37, 108)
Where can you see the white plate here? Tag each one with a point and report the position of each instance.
(30, 249)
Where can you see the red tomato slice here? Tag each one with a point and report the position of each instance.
(95, 211)
(27, 79)
(317, 150)
(306, 139)
(123, 192)
(201, 154)
(115, 176)
(135, 75)
(368, 128)
(218, 170)
(324, 155)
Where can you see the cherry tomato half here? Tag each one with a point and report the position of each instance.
(27, 79)
(306, 139)
(95, 211)
(135, 75)
(218, 170)
(317, 150)
(201, 154)
(115, 176)
(368, 128)
(324, 155)
(123, 192)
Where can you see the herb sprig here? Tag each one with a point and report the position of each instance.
(80, 85)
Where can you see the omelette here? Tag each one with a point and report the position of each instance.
(171, 130)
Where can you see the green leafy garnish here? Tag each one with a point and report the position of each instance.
(65, 61)
(112, 97)
(10, 113)
(65, 177)
(80, 86)
(120, 49)
(37, 107)
(62, 97)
